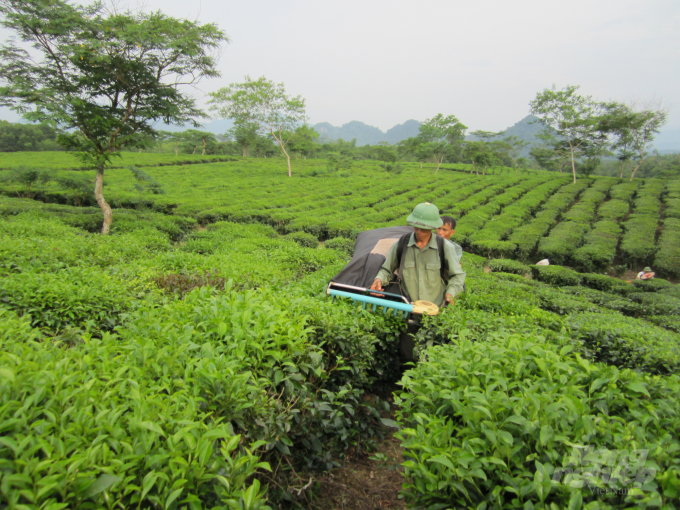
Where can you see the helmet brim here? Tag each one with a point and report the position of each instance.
(425, 225)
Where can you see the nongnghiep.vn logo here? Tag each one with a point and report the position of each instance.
(606, 471)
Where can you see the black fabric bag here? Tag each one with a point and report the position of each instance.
(370, 251)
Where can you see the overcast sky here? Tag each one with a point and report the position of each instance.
(384, 62)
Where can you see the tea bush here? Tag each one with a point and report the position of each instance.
(667, 259)
(509, 266)
(109, 424)
(556, 275)
(304, 239)
(496, 424)
(627, 342)
(606, 283)
(340, 244)
(638, 243)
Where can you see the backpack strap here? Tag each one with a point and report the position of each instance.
(443, 264)
(401, 248)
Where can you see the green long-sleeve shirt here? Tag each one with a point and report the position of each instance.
(422, 275)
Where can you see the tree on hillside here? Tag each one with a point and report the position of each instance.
(437, 135)
(574, 118)
(553, 154)
(264, 103)
(303, 141)
(103, 77)
(634, 128)
(387, 154)
(245, 135)
(27, 137)
(515, 146)
(480, 154)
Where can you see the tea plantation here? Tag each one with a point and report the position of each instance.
(191, 359)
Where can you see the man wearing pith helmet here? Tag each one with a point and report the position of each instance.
(421, 275)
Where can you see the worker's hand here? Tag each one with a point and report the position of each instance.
(377, 285)
(449, 299)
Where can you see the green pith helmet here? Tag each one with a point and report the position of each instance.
(647, 269)
(425, 216)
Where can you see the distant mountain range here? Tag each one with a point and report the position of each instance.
(526, 129)
(668, 141)
(365, 134)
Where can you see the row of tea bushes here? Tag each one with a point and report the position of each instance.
(639, 240)
(593, 310)
(667, 260)
(527, 236)
(470, 225)
(491, 239)
(566, 237)
(65, 278)
(505, 420)
(600, 244)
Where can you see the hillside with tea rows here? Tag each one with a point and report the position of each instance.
(191, 358)
(591, 225)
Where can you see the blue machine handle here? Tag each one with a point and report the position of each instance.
(373, 301)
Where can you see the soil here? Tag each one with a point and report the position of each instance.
(364, 483)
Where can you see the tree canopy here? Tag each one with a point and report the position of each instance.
(264, 103)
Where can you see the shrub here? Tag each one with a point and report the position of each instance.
(657, 303)
(562, 241)
(341, 244)
(492, 248)
(509, 266)
(488, 420)
(606, 283)
(627, 342)
(667, 260)
(654, 285)
(599, 248)
(670, 323)
(556, 275)
(553, 300)
(304, 239)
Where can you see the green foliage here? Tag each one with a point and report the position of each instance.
(509, 266)
(304, 239)
(340, 244)
(17, 136)
(627, 342)
(492, 422)
(667, 259)
(599, 249)
(556, 275)
(606, 283)
(141, 439)
(654, 285)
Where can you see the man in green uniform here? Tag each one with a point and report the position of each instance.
(421, 264)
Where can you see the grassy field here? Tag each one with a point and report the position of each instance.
(191, 359)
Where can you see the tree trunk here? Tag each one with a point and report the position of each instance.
(203, 153)
(632, 174)
(176, 150)
(440, 164)
(621, 174)
(106, 208)
(573, 164)
(280, 140)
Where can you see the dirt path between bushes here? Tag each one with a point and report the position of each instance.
(364, 483)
